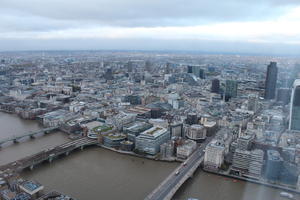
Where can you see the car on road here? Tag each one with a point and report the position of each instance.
(177, 172)
(184, 164)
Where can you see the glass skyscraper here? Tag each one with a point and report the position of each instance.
(271, 80)
(295, 107)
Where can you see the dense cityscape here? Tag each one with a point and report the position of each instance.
(234, 116)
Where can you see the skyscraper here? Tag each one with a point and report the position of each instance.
(231, 89)
(295, 107)
(196, 70)
(215, 86)
(271, 79)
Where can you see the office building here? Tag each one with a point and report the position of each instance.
(214, 155)
(196, 132)
(184, 150)
(215, 86)
(274, 165)
(197, 71)
(113, 139)
(245, 142)
(284, 95)
(134, 129)
(167, 150)
(231, 89)
(176, 130)
(133, 99)
(252, 104)
(256, 163)
(241, 160)
(192, 118)
(150, 140)
(109, 74)
(271, 80)
(295, 107)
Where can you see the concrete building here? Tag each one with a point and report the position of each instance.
(175, 100)
(176, 130)
(211, 128)
(126, 145)
(167, 150)
(196, 132)
(252, 103)
(56, 118)
(244, 142)
(31, 187)
(256, 163)
(192, 118)
(184, 150)
(214, 155)
(150, 140)
(273, 166)
(241, 160)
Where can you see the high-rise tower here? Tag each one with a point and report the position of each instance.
(295, 107)
(271, 80)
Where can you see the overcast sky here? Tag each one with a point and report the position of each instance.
(254, 26)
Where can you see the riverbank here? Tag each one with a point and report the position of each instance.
(260, 182)
(140, 156)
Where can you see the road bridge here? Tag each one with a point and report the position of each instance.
(167, 188)
(32, 134)
(47, 155)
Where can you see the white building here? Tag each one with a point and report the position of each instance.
(58, 89)
(174, 100)
(214, 155)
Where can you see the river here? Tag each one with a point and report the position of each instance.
(96, 173)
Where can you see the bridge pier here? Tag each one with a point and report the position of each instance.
(15, 141)
(32, 137)
(81, 147)
(50, 159)
(67, 153)
(31, 167)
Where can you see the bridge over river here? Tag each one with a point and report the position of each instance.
(46, 155)
(31, 134)
(167, 188)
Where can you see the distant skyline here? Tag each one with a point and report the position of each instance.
(256, 26)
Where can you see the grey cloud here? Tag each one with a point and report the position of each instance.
(137, 13)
